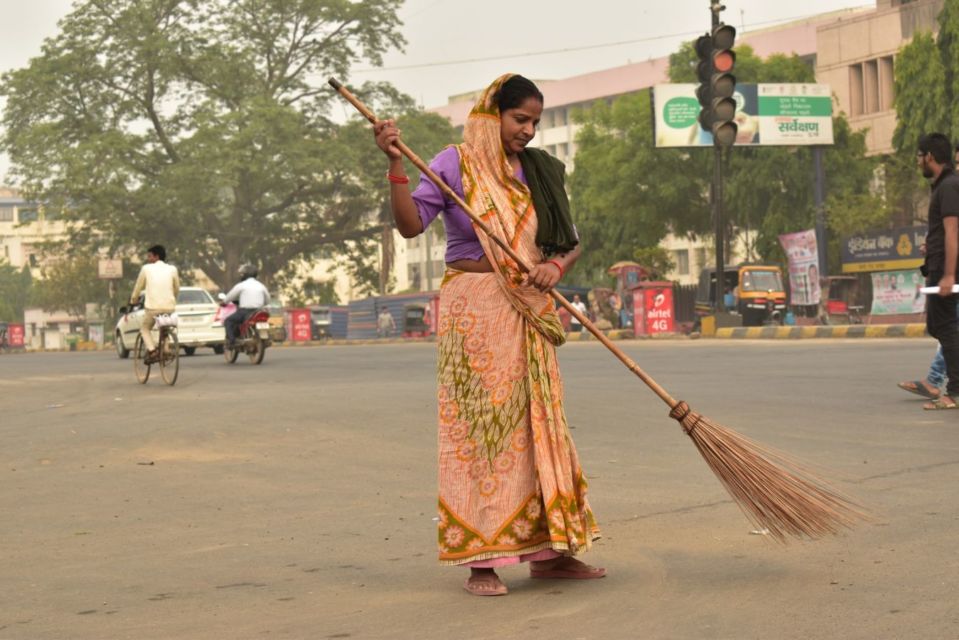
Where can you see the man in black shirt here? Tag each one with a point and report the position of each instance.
(942, 248)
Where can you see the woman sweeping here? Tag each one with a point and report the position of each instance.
(511, 488)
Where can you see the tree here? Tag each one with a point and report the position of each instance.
(311, 291)
(426, 134)
(926, 87)
(624, 193)
(923, 103)
(656, 260)
(627, 194)
(15, 289)
(199, 125)
(69, 285)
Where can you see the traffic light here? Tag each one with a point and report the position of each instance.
(717, 84)
(704, 71)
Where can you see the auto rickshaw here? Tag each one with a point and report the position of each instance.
(321, 319)
(839, 300)
(416, 320)
(755, 292)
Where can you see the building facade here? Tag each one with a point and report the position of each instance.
(856, 57)
(852, 50)
(24, 226)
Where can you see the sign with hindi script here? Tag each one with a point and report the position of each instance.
(883, 250)
(785, 114)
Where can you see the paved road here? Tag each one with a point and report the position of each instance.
(296, 499)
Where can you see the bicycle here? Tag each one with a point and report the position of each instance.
(168, 349)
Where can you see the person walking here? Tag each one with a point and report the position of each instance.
(939, 268)
(931, 386)
(160, 284)
(385, 325)
(511, 488)
(575, 326)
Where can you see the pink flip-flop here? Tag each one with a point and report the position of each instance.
(485, 585)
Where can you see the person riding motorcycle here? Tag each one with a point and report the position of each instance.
(250, 294)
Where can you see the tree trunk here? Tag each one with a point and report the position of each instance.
(386, 258)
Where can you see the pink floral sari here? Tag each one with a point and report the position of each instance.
(510, 483)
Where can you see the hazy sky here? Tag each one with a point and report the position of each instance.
(455, 46)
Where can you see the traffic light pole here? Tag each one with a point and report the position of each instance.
(819, 195)
(717, 194)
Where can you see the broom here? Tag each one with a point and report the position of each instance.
(776, 494)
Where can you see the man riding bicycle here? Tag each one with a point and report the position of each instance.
(161, 284)
(250, 294)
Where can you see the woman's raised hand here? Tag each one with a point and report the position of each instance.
(387, 135)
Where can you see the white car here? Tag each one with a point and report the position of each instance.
(196, 310)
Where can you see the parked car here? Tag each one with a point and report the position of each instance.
(196, 309)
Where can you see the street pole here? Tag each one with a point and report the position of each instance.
(429, 260)
(717, 195)
(819, 196)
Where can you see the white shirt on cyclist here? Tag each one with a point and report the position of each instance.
(251, 294)
(161, 284)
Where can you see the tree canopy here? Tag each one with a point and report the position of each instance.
(14, 292)
(69, 285)
(627, 194)
(204, 126)
(926, 88)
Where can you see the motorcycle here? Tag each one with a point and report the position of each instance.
(253, 337)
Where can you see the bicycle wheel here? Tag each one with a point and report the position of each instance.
(169, 356)
(140, 367)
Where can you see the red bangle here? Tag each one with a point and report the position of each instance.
(397, 179)
(558, 266)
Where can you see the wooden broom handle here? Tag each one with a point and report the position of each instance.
(566, 304)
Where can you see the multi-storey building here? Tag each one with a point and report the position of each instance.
(23, 228)
(852, 50)
(855, 55)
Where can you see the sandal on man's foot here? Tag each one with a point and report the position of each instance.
(941, 403)
(920, 388)
(565, 567)
(485, 584)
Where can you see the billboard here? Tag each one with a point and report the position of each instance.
(803, 257)
(883, 250)
(897, 292)
(785, 114)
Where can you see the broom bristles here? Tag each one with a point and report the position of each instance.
(775, 493)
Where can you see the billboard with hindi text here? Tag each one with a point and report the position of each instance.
(783, 114)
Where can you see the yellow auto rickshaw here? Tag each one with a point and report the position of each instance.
(754, 291)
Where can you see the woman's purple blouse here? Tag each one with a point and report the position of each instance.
(461, 240)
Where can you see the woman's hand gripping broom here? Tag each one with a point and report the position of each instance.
(774, 492)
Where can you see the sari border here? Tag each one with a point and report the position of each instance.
(555, 545)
